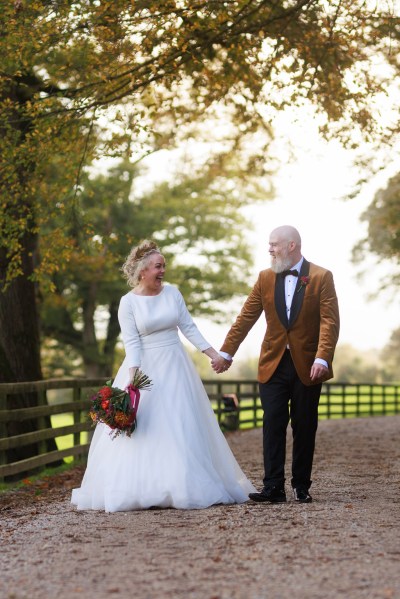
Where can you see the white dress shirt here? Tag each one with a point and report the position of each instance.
(290, 286)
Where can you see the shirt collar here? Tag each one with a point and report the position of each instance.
(298, 265)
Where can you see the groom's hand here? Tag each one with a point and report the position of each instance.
(318, 372)
(220, 365)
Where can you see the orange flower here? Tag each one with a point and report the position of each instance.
(117, 407)
(124, 420)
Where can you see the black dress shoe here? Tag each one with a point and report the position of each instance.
(302, 495)
(272, 495)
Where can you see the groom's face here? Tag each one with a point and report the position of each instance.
(280, 255)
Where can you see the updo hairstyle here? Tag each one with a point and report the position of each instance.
(137, 260)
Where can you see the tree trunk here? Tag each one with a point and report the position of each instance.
(98, 363)
(20, 346)
(113, 331)
(90, 354)
(19, 323)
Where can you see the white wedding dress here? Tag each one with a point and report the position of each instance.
(177, 456)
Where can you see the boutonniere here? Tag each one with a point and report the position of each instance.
(303, 282)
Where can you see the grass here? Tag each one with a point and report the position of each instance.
(59, 420)
(46, 473)
(367, 401)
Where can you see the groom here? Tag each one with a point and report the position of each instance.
(299, 302)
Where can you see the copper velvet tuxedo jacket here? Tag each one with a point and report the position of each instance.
(311, 332)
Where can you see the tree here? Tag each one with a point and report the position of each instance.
(383, 234)
(66, 66)
(382, 242)
(390, 358)
(190, 213)
(354, 366)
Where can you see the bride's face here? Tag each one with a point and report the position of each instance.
(153, 274)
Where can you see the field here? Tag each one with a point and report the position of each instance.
(66, 441)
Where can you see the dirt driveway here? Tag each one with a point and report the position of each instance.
(346, 544)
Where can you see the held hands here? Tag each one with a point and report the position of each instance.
(219, 364)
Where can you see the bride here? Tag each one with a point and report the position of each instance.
(177, 456)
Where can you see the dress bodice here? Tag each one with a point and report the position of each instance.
(154, 321)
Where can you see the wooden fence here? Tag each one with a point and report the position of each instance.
(236, 404)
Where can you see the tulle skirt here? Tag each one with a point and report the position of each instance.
(177, 456)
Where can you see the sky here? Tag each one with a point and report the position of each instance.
(310, 195)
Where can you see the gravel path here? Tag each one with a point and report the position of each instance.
(346, 544)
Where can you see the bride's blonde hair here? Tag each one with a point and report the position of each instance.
(137, 259)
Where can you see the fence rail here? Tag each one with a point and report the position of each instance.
(235, 403)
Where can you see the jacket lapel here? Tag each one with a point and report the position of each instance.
(280, 303)
(297, 300)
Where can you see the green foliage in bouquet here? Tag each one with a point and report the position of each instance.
(118, 408)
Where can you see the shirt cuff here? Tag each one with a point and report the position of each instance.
(225, 355)
(321, 361)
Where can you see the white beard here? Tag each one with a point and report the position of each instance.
(280, 264)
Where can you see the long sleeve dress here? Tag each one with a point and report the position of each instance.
(177, 456)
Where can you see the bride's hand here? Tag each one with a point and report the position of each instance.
(132, 372)
(211, 353)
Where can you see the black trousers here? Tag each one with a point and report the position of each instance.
(284, 397)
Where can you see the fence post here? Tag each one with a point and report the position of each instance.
(41, 420)
(3, 432)
(344, 403)
(76, 394)
(384, 402)
(328, 400)
(255, 407)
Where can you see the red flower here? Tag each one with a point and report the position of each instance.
(303, 282)
(105, 392)
(105, 404)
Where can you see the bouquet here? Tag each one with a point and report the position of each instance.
(118, 408)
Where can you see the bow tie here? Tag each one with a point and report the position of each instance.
(294, 273)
